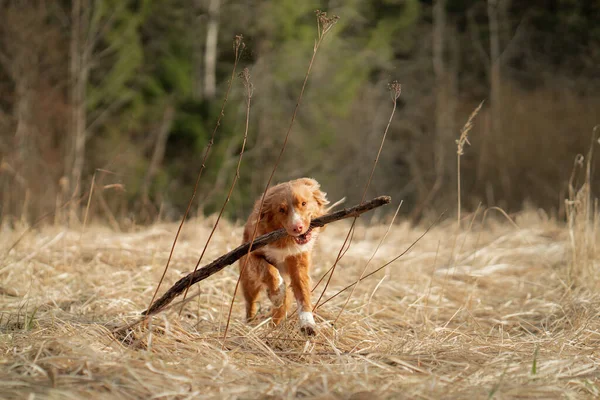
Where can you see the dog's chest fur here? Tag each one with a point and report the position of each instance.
(277, 255)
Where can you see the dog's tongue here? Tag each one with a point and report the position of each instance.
(305, 237)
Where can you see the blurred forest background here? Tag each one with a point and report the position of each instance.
(128, 92)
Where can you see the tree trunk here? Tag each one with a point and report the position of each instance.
(210, 55)
(79, 72)
(445, 105)
(74, 68)
(439, 69)
(198, 50)
(504, 24)
(79, 132)
(495, 78)
(496, 93)
(23, 117)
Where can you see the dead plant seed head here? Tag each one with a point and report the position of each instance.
(460, 142)
(238, 42)
(464, 132)
(395, 90)
(325, 23)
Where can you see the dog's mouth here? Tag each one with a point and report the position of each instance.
(304, 238)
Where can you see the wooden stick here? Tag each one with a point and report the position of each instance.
(234, 255)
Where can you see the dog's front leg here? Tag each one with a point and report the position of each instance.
(299, 270)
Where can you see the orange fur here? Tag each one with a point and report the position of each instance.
(290, 205)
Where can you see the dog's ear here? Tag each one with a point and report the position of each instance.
(319, 196)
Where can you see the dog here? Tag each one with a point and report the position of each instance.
(290, 205)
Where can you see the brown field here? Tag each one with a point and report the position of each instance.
(497, 311)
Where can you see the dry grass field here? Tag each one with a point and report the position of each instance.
(495, 311)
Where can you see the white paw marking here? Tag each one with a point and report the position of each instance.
(306, 319)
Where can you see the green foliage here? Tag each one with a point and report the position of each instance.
(190, 125)
(119, 55)
(169, 45)
(392, 32)
(149, 55)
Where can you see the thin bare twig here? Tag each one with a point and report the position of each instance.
(387, 263)
(87, 207)
(396, 90)
(362, 274)
(330, 268)
(245, 75)
(237, 44)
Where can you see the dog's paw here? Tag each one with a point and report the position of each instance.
(307, 323)
(308, 330)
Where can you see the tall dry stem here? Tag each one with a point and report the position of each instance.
(245, 76)
(395, 90)
(413, 244)
(460, 143)
(362, 274)
(581, 220)
(238, 46)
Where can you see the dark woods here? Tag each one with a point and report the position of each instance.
(122, 96)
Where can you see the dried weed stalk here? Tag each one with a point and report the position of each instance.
(460, 143)
(238, 47)
(395, 91)
(413, 244)
(582, 220)
(362, 274)
(245, 76)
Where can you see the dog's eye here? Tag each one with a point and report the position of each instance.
(281, 210)
(303, 203)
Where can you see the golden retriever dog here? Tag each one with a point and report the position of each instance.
(290, 205)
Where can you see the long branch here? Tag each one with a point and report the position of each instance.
(234, 255)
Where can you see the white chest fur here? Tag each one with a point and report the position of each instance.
(279, 254)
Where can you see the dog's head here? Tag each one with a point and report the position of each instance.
(292, 205)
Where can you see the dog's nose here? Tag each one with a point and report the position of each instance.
(297, 228)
